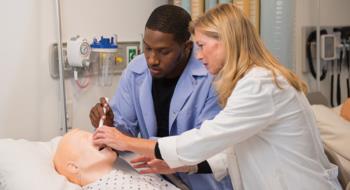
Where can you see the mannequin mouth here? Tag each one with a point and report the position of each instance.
(105, 149)
(102, 148)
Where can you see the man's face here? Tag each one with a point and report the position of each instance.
(163, 54)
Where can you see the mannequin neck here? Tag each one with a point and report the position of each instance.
(93, 174)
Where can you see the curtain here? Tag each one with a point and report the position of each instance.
(198, 7)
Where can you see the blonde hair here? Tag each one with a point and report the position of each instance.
(243, 46)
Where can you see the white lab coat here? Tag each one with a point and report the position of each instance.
(266, 137)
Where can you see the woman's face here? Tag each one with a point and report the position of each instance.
(210, 51)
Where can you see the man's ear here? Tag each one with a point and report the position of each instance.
(72, 167)
(188, 46)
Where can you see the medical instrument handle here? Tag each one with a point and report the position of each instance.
(338, 90)
(100, 124)
(348, 63)
(348, 85)
(332, 82)
(338, 78)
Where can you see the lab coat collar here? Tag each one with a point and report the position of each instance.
(137, 68)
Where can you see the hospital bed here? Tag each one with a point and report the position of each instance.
(335, 134)
(27, 165)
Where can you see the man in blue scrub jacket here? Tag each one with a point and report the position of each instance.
(166, 90)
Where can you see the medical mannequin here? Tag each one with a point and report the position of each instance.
(91, 167)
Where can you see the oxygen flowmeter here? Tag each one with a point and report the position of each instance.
(78, 52)
(78, 55)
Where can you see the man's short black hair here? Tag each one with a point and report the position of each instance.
(171, 19)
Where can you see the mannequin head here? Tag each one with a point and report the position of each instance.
(79, 160)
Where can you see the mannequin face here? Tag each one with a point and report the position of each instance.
(89, 155)
(79, 160)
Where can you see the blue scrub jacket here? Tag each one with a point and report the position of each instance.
(194, 100)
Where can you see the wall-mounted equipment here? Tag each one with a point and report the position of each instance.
(328, 47)
(104, 55)
(126, 51)
(78, 52)
(310, 54)
(334, 54)
(78, 55)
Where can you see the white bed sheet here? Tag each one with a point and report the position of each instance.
(27, 165)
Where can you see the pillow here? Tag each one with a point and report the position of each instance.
(345, 110)
(334, 130)
(27, 165)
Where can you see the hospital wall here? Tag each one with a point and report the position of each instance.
(30, 103)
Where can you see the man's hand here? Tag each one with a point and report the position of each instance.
(96, 113)
(155, 166)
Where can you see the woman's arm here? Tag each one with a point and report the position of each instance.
(249, 110)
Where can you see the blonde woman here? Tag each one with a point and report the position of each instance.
(266, 130)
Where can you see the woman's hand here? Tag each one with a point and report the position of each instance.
(110, 136)
(155, 166)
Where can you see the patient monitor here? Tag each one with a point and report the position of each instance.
(80, 161)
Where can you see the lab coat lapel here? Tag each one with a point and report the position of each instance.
(182, 91)
(146, 103)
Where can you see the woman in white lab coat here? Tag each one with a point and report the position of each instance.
(266, 131)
